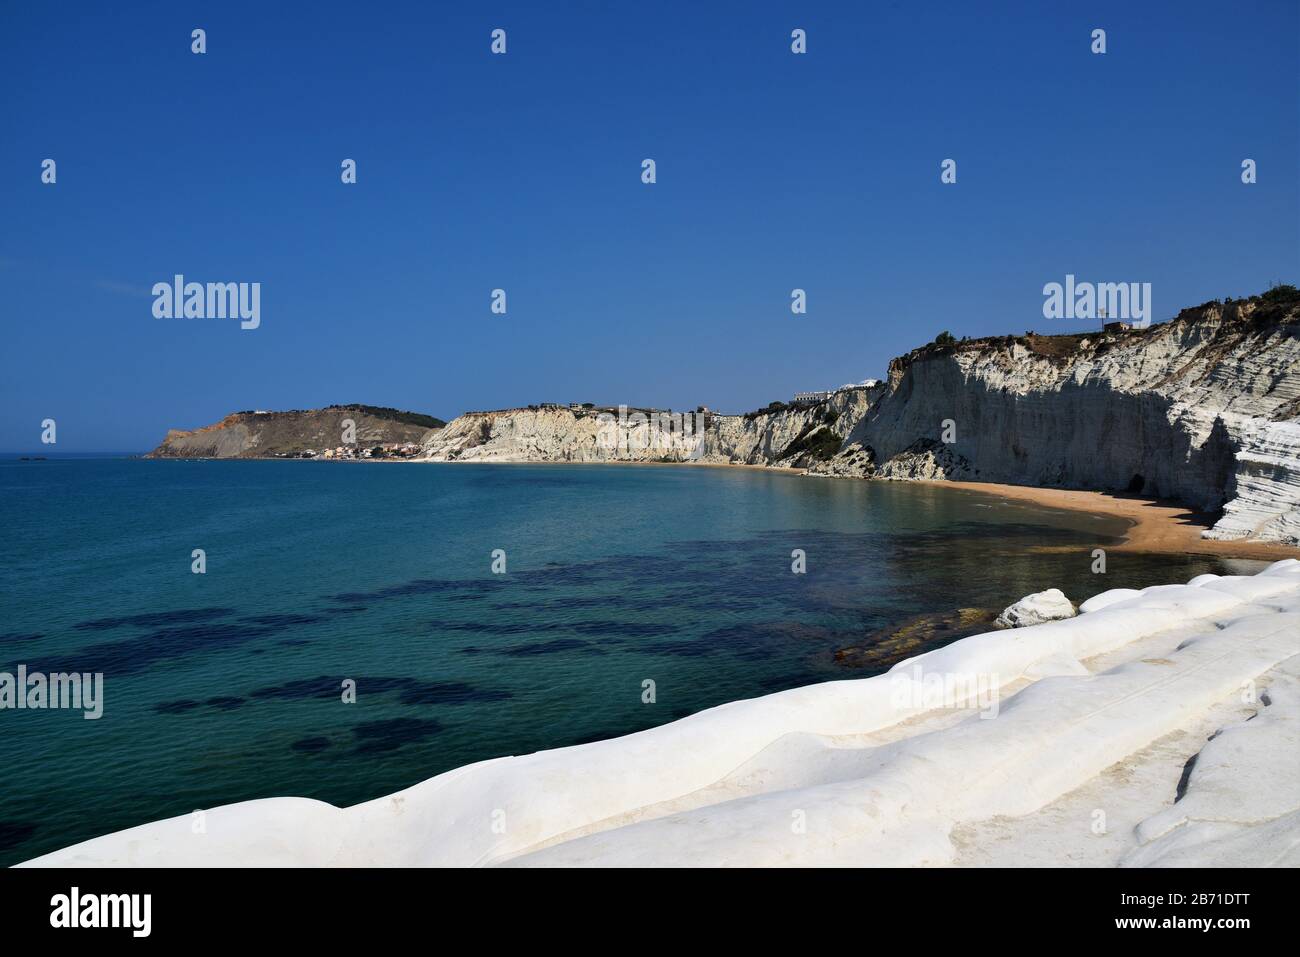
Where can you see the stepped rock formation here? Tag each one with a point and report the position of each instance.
(788, 437)
(1203, 409)
(268, 434)
(1135, 706)
(548, 434)
(785, 437)
(1265, 502)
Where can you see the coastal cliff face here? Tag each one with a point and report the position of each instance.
(271, 434)
(793, 436)
(1204, 410)
(802, 436)
(549, 434)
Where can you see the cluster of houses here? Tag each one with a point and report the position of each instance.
(389, 450)
(806, 398)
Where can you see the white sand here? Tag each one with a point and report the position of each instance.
(1096, 718)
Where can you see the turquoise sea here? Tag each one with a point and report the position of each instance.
(225, 686)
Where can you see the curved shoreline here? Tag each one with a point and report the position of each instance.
(1156, 526)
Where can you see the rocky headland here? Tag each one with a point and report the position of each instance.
(257, 434)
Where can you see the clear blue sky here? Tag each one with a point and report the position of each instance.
(522, 171)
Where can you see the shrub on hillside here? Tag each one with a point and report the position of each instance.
(1282, 292)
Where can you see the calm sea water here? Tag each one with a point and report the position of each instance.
(226, 686)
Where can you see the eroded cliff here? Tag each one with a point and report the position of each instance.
(1203, 409)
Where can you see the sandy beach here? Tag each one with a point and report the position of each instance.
(1162, 527)
(1156, 526)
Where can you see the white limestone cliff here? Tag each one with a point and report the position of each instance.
(555, 433)
(1268, 474)
(1203, 410)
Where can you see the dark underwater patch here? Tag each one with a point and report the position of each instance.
(553, 576)
(419, 586)
(391, 733)
(625, 629)
(500, 628)
(175, 707)
(774, 683)
(224, 702)
(282, 620)
(681, 649)
(620, 629)
(158, 619)
(133, 655)
(410, 690)
(17, 636)
(324, 686)
(13, 833)
(551, 648)
(310, 745)
(448, 692)
(750, 642)
(562, 604)
(381, 684)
